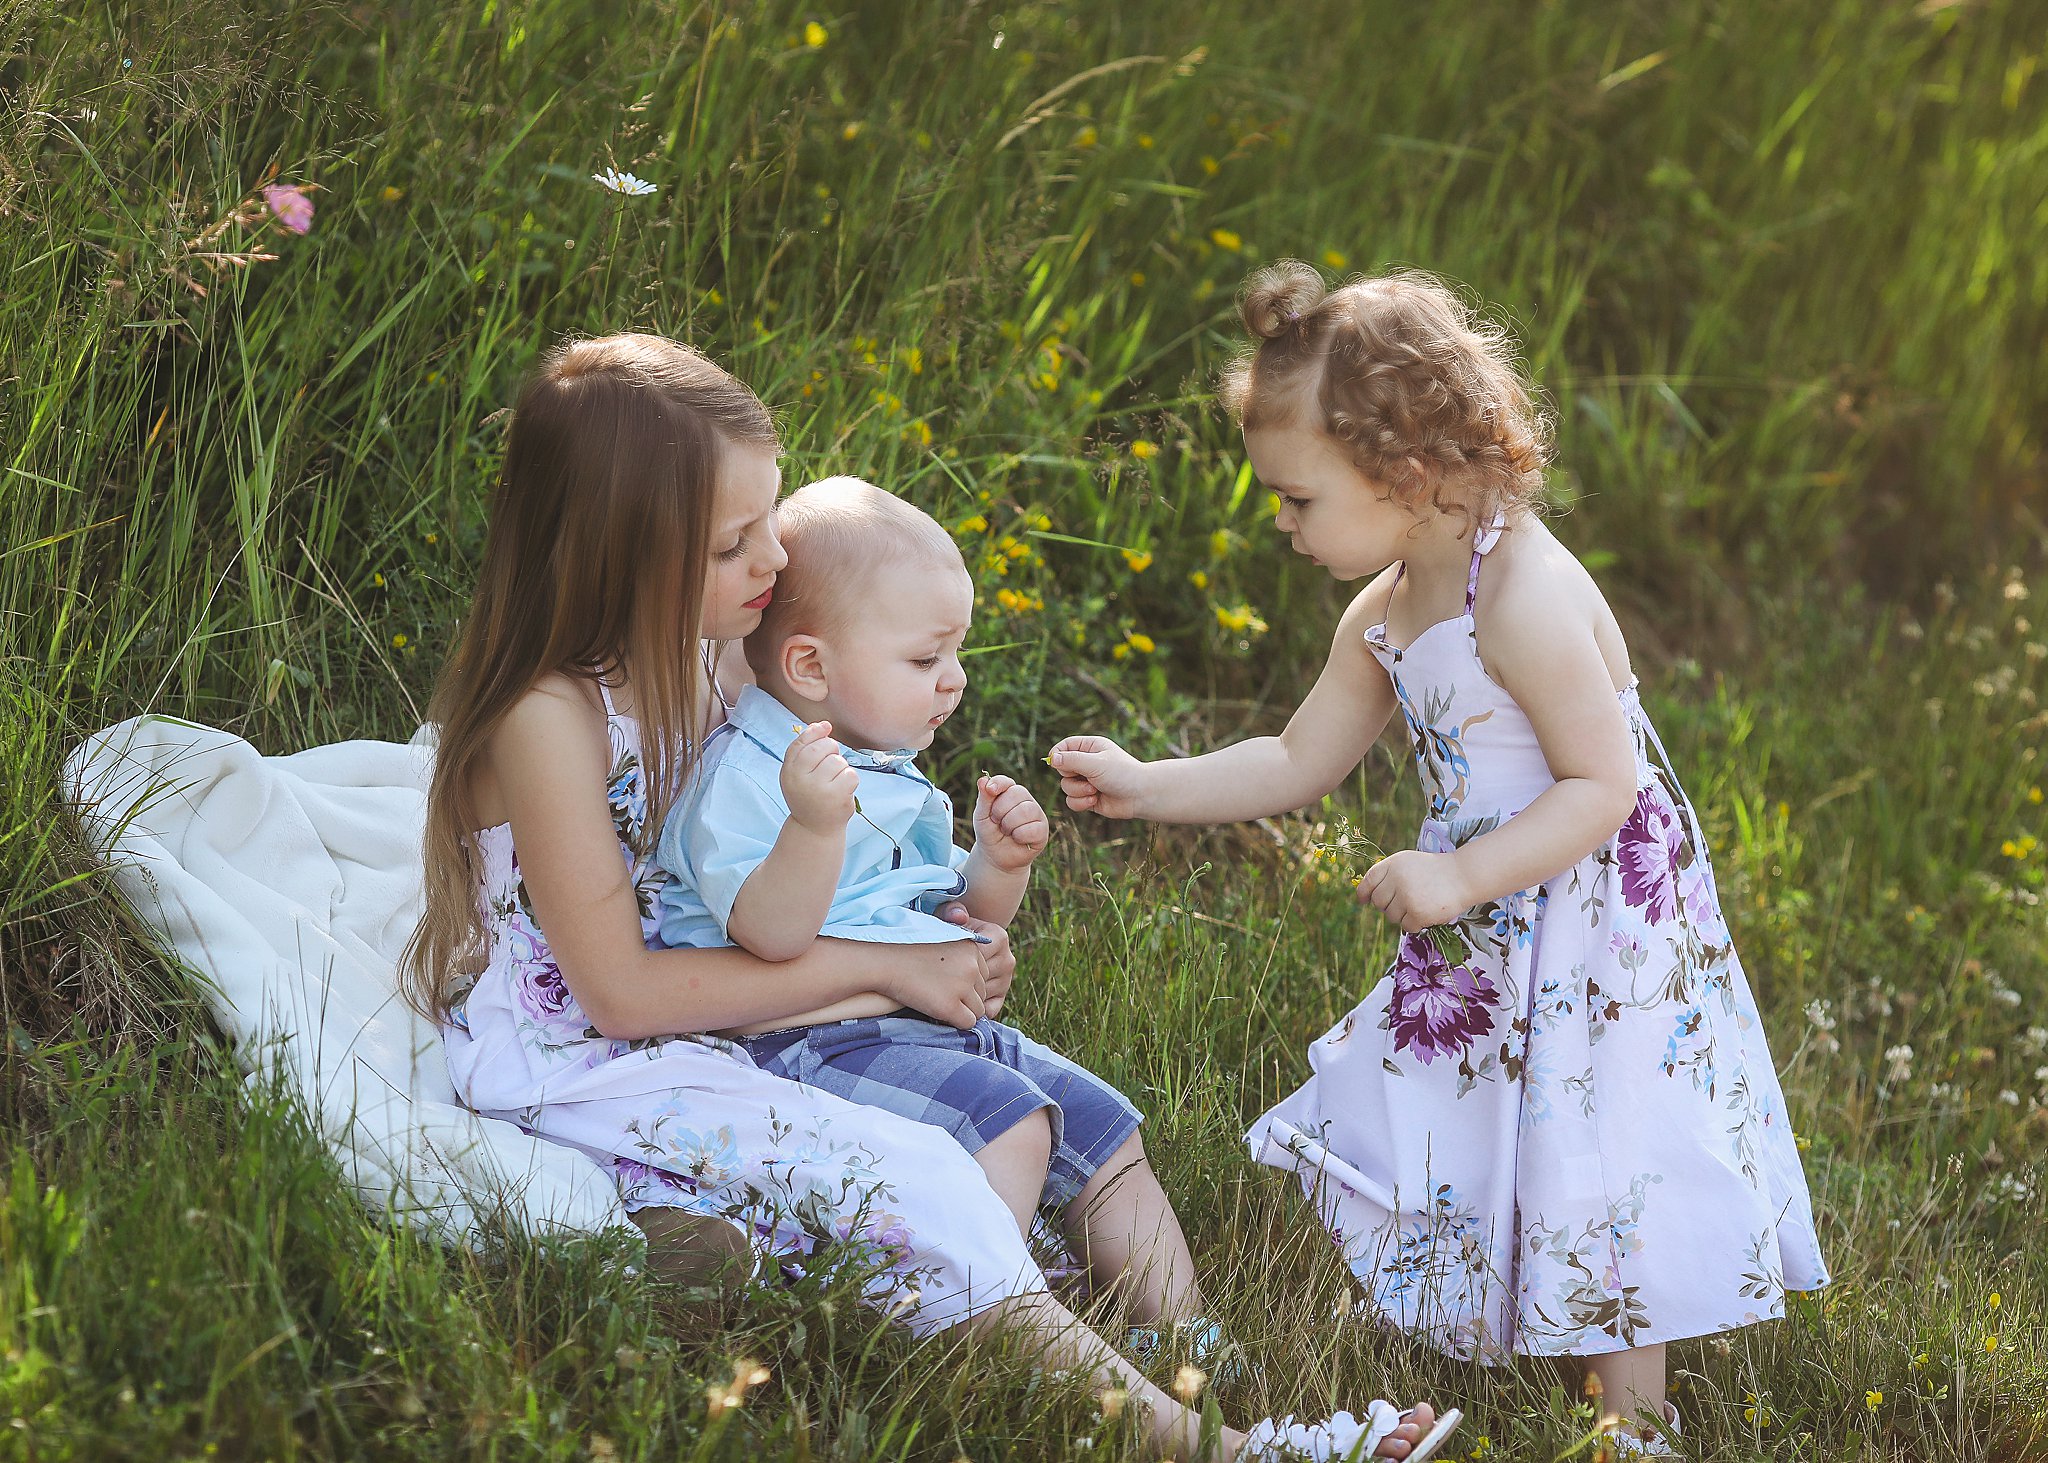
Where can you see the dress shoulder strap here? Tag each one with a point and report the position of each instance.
(604, 689)
(1488, 537)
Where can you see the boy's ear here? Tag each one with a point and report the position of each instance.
(802, 664)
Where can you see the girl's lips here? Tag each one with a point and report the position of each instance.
(761, 600)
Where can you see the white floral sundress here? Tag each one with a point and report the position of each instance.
(1570, 1139)
(691, 1123)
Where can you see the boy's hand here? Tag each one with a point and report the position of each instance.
(1415, 889)
(1010, 828)
(817, 783)
(1097, 776)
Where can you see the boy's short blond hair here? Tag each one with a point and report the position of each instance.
(838, 532)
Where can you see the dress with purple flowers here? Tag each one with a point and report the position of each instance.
(1563, 1136)
(689, 1122)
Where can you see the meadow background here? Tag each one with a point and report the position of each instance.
(1776, 267)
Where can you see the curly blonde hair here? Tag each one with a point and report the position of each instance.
(1422, 391)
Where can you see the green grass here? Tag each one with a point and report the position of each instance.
(1776, 273)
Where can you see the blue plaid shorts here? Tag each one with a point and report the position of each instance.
(976, 1084)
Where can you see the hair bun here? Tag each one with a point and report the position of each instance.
(1277, 298)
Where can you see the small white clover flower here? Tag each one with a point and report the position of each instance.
(624, 183)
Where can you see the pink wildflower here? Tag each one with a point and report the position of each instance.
(292, 205)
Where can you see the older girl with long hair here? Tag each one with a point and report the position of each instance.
(633, 534)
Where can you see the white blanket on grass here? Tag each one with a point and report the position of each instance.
(290, 885)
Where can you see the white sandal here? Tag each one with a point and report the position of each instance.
(1341, 1438)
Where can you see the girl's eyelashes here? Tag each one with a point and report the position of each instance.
(738, 549)
(1297, 504)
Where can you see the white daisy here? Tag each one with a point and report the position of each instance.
(622, 183)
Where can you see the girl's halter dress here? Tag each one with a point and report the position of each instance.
(690, 1123)
(1565, 1136)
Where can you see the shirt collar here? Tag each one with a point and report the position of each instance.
(773, 726)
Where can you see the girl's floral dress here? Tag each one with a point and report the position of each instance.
(691, 1123)
(1565, 1136)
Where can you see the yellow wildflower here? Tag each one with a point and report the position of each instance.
(391, 194)
(972, 523)
(377, 580)
(2034, 795)
(1756, 1412)
(814, 35)
(1143, 450)
(1990, 1343)
(1219, 544)
(1118, 652)
(433, 538)
(1226, 239)
(850, 131)
(1995, 1301)
(1040, 522)
(1138, 283)
(1139, 559)
(914, 358)
(919, 432)
(1335, 258)
(398, 642)
(1088, 137)
(1239, 620)
(1209, 165)
(1018, 604)
(1145, 141)
(1139, 641)
(1873, 1400)
(713, 297)
(1200, 579)
(1013, 548)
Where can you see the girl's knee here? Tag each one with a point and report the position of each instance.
(692, 1249)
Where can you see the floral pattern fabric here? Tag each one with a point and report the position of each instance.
(1557, 1131)
(689, 1122)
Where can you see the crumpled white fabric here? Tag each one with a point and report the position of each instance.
(290, 885)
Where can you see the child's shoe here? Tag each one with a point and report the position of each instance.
(1341, 1438)
(1662, 1444)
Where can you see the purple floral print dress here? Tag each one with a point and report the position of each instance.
(691, 1123)
(1564, 1137)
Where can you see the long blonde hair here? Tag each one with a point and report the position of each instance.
(598, 546)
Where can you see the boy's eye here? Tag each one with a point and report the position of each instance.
(735, 551)
(926, 663)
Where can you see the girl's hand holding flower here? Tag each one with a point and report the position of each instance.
(1416, 890)
(1010, 827)
(1097, 776)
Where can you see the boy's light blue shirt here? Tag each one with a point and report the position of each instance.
(901, 861)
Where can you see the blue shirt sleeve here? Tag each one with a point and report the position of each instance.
(731, 836)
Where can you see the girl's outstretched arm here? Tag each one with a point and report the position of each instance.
(550, 757)
(1328, 735)
(1540, 635)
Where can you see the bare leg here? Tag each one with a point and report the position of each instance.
(1132, 1240)
(1064, 1344)
(692, 1249)
(1015, 1162)
(1631, 1383)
